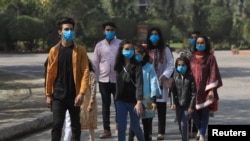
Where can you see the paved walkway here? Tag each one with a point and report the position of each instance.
(24, 111)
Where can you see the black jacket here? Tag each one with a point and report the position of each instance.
(129, 84)
(183, 90)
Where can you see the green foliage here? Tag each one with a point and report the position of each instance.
(246, 30)
(35, 20)
(126, 28)
(26, 28)
(176, 34)
(215, 26)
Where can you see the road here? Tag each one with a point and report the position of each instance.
(234, 95)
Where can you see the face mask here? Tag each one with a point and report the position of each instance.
(128, 53)
(182, 69)
(200, 47)
(192, 41)
(68, 35)
(138, 58)
(110, 35)
(154, 38)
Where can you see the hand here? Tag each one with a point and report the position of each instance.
(89, 108)
(210, 94)
(154, 106)
(49, 101)
(78, 100)
(190, 111)
(173, 107)
(138, 108)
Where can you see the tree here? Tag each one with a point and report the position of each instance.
(213, 25)
(26, 28)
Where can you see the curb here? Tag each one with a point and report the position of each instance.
(12, 130)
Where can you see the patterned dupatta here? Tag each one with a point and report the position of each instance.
(156, 57)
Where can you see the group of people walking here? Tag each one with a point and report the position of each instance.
(136, 76)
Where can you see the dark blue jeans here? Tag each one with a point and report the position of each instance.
(59, 109)
(182, 118)
(123, 108)
(107, 90)
(201, 118)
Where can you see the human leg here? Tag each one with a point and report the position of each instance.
(201, 118)
(204, 121)
(147, 128)
(131, 134)
(91, 134)
(182, 118)
(113, 91)
(161, 110)
(67, 127)
(122, 113)
(106, 102)
(134, 122)
(74, 113)
(59, 110)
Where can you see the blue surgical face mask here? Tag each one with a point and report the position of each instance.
(181, 69)
(138, 58)
(200, 47)
(154, 38)
(68, 35)
(110, 35)
(128, 53)
(192, 41)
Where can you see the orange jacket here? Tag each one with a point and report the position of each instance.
(80, 69)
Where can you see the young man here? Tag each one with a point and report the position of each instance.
(103, 62)
(66, 79)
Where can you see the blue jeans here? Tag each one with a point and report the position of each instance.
(123, 109)
(201, 118)
(182, 118)
(107, 90)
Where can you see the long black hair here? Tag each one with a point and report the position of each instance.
(160, 43)
(207, 44)
(120, 61)
(186, 61)
(90, 65)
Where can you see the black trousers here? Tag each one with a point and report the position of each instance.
(162, 111)
(59, 108)
(107, 90)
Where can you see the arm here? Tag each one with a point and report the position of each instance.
(92, 91)
(139, 89)
(154, 84)
(170, 63)
(173, 96)
(84, 81)
(85, 71)
(193, 93)
(96, 60)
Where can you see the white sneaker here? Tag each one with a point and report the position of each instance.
(198, 135)
(202, 138)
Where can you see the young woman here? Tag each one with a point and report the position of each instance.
(183, 93)
(207, 79)
(129, 94)
(151, 90)
(163, 62)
